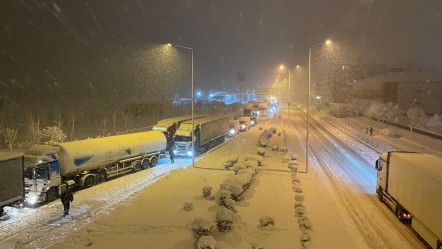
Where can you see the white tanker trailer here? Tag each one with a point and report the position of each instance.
(49, 170)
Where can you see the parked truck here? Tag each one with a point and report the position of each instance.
(209, 131)
(169, 126)
(411, 185)
(50, 170)
(12, 187)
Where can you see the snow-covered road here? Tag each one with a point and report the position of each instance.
(346, 167)
(43, 226)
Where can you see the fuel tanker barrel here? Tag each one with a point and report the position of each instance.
(95, 153)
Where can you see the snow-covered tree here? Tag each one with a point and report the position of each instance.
(9, 136)
(33, 132)
(435, 123)
(373, 110)
(417, 117)
(52, 135)
(390, 112)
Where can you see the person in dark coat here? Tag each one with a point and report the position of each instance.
(371, 131)
(66, 198)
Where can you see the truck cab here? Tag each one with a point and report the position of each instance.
(42, 174)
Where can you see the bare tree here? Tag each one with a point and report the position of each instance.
(417, 117)
(9, 136)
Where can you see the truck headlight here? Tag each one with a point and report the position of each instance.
(252, 122)
(232, 131)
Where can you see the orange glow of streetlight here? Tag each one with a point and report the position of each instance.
(328, 42)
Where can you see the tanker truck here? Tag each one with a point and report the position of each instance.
(50, 170)
(12, 187)
(411, 186)
(209, 131)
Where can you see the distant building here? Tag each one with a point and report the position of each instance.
(403, 88)
(230, 98)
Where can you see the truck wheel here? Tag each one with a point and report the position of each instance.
(153, 161)
(89, 181)
(137, 166)
(145, 163)
(51, 194)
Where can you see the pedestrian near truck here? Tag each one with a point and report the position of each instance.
(66, 198)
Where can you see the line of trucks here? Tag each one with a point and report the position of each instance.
(43, 172)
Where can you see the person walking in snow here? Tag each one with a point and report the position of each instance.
(171, 155)
(66, 198)
(371, 131)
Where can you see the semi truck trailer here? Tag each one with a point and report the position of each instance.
(411, 185)
(50, 170)
(12, 187)
(209, 131)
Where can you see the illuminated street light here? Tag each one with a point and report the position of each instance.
(327, 42)
(193, 102)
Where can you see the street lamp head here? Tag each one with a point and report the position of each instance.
(297, 66)
(281, 67)
(328, 42)
(169, 44)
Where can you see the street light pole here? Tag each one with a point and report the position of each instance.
(193, 102)
(308, 101)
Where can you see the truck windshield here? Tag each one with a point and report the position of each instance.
(29, 173)
(178, 138)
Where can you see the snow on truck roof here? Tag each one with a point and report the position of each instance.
(428, 163)
(4, 155)
(204, 120)
(163, 124)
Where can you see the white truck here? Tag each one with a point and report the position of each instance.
(169, 126)
(411, 185)
(12, 187)
(49, 170)
(209, 131)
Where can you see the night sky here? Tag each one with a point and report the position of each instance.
(113, 48)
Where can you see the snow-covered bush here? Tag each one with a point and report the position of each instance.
(257, 245)
(265, 221)
(207, 191)
(273, 129)
(188, 206)
(282, 149)
(261, 151)
(417, 117)
(299, 198)
(263, 141)
(238, 166)
(253, 164)
(304, 223)
(222, 195)
(235, 190)
(231, 160)
(293, 166)
(389, 132)
(201, 227)
(257, 158)
(53, 135)
(206, 242)
(435, 123)
(275, 147)
(224, 219)
(299, 211)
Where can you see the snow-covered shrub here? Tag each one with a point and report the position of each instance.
(252, 164)
(52, 135)
(289, 157)
(231, 160)
(257, 158)
(263, 141)
(299, 211)
(389, 132)
(207, 191)
(224, 219)
(293, 166)
(229, 204)
(273, 129)
(188, 206)
(201, 227)
(235, 190)
(222, 195)
(261, 151)
(266, 221)
(282, 149)
(257, 246)
(304, 223)
(297, 189)
(296, 180)
(274, 147)
(249, 171)
(299, 197)
(238, 166)
(305, 237)
(435, 123)
(206, 242)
